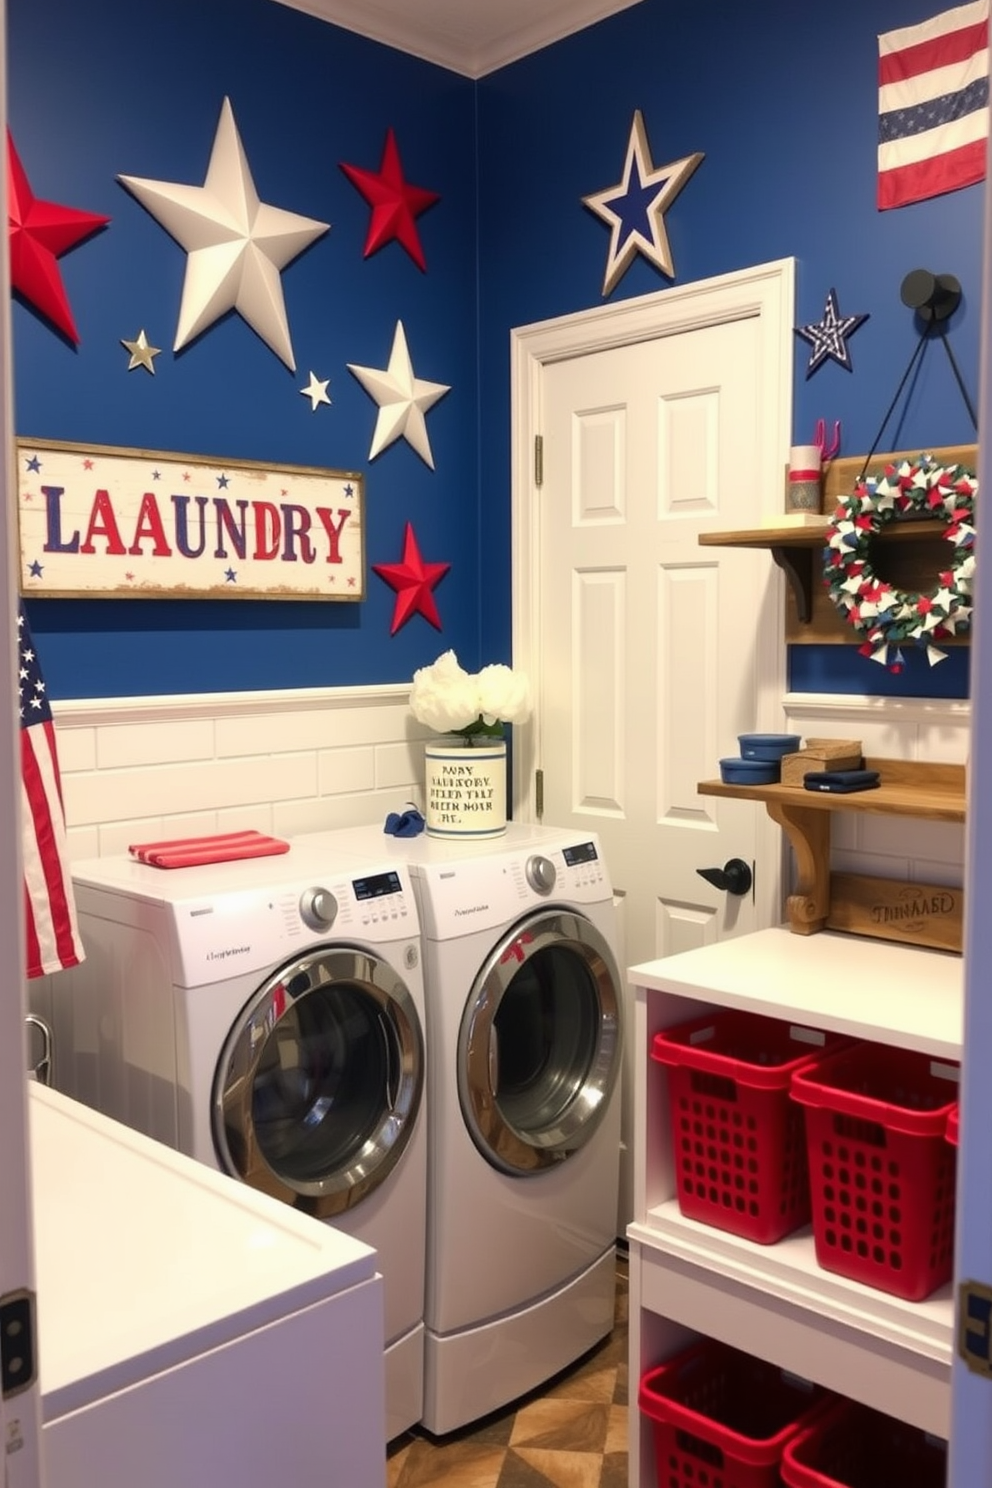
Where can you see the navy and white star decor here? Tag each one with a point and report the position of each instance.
(829, 336)
(634, 210)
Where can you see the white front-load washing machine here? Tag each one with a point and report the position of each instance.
(524, 1040)
(267, 1017)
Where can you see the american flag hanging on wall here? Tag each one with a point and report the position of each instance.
(51, 934)
(933, 105)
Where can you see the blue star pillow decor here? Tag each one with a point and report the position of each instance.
(634, 210)
(829, 336)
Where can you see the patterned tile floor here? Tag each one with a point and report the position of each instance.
(571, 1433)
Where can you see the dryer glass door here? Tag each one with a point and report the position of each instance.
(320, 1081)
(539, 1045)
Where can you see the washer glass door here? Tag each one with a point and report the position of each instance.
(320, 1081)
(539, 1045)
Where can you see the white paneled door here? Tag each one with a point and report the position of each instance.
(660, 419)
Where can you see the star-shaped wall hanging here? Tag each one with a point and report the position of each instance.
(403, 400)
(413, 581)
(142, 354)
(395, 204)
(39, 232)
(236, 245)
(316, 391)
(828, 337)
(635, 209)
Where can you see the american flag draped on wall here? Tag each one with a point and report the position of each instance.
(50, 914)
(933, 105)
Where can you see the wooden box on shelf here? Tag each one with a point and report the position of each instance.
(821, 754)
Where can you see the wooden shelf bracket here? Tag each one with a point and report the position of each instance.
(808, 832)
(797, 565)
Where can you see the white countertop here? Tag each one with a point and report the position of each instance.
(145, 1258)
(906, 995)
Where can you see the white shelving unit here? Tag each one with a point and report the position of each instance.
(774, 1301)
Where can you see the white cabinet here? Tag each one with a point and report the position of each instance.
(191, 1329)
(775, 1301)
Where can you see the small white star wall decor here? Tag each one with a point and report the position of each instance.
(828, 337)
(403, 400)
(236, 245)
(634, 210)
(316, 391)
(142, 354)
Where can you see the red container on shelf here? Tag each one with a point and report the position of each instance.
(721, 1416)
(851, 1446)
(951, 1131)
(881, 1172)
(739, 1148)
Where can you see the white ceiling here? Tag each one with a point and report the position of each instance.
(472, 37)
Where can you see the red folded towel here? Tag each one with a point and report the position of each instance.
(189, 852)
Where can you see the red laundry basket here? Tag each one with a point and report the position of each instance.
(740, 1153)
(851, 1446)
(953, 1126)
(881, 1172)
(720, 1416)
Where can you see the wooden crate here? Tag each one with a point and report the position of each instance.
(888, 909)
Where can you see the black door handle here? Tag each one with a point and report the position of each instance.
(734, 877)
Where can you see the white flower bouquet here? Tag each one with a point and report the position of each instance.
(452, 701)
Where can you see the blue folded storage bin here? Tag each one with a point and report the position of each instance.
(750, 771)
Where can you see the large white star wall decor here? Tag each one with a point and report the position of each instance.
(828, 337)
(402, 398)
(236, 245)
(635, 209)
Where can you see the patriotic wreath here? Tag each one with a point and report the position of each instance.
(884, 615)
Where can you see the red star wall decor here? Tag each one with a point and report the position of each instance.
(395, 205)
(413, 580)
(39, 232)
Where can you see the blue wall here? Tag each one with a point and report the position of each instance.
(785, 112)
(783, 102)
(110, 88)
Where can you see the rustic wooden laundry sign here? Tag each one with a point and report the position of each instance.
(128, 523)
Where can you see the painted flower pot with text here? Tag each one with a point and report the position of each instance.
(466, 787)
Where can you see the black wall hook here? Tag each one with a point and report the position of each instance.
(932, 296)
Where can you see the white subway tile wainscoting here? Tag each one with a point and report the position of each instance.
(300, 761)
(146, 768)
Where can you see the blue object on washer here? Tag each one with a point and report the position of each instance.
(750, 771)
(407, 823)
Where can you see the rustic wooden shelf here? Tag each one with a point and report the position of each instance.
(935, 792)
(811, 616)
(922, 914)
(793, 549)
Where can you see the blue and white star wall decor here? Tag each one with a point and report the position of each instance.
(829, 336)
(635, 209)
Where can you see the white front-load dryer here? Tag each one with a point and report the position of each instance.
(524, 1032)
(267, 1017)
